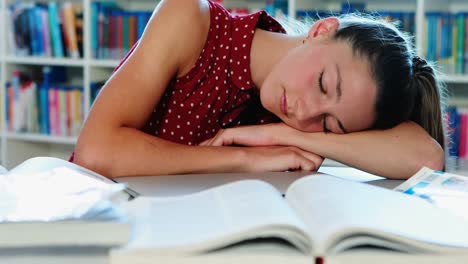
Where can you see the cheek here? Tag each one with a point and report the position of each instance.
(311, 126)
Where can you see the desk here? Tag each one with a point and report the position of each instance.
(267, 251)
(172, 185)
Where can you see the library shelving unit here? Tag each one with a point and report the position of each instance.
(16, 147)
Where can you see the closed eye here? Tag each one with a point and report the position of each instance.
(324, 123)
(320, 83)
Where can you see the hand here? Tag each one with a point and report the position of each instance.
(280, 158)
(257, 135)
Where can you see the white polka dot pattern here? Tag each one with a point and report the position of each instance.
(219, 82)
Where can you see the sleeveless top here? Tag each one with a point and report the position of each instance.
(218, 92)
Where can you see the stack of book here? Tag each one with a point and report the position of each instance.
(114, 30)
(50, 107)
(53, 211)
(46, 30)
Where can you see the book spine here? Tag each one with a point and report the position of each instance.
(76, 111)
(11, 32)
(78, 11)
(132, 29)
(37, 12)
(46, 32)
(125, 33)
(70, 30)
(51, 108)
(463, 135)
(32, 29)
(11, 96)
(94, 29)
(100, 31)
(54, 25)
(15, 82)
(62, 110)
(112, 36)
(141, 23)
(466, 44)
(22, 112)
(68, 111)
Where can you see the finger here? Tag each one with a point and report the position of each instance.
(307, 164)
(313, 161)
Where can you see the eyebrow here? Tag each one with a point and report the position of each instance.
(338, 97)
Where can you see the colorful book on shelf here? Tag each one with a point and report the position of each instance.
(465, 52)
(79, 24)
(94, 29)
(55, 32)
(46, 36)
(69, 25)
(51, 107)
(319, 215)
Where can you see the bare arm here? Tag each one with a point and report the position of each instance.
(112, 144)
(394, 153)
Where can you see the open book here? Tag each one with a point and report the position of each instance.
(49, 202)
(320, 215)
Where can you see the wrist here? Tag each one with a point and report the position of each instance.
(286, 136)
(242, 159)
(282, 135)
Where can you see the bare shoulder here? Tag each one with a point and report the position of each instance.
(185, 23)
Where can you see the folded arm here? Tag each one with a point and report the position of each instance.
(393, 153)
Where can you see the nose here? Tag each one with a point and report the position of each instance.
(306, 110)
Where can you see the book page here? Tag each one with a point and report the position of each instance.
(444, 190)
(54, 195)
(43, 164)
(340, 214)
(3, 170)
(213, 219)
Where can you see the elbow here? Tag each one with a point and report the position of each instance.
(90, 156)
(431, 156)
(436, 158)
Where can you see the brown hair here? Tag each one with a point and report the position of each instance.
(408, 86)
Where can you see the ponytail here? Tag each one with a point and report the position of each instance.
(428, 108)
(408, 87)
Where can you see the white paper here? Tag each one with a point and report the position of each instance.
(57, 194)
(444, 190)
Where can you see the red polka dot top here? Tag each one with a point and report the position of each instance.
(218, 92)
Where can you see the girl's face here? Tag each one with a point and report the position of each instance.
(321, 85)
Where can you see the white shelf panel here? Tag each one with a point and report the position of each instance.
(104, 63)
(41, 138)
(455, 78)
(45, 61)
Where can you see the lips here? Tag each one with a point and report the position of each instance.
(284, 104)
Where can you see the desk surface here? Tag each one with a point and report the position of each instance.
(172, 185)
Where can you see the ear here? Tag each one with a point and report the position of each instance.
(324, 28)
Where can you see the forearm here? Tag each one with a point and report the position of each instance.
(129, 152)
(394, 153)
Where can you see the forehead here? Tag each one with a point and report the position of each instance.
(357, 107)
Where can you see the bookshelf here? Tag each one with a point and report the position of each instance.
(16, 147)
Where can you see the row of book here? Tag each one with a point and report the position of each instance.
(114, 30)
(457, 137)
(46, 29)
(46, 107)
(447, 41)
(403, 20)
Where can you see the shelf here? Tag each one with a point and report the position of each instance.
(41, 138)
(29, 60)
(455, 78)
(104, 63)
